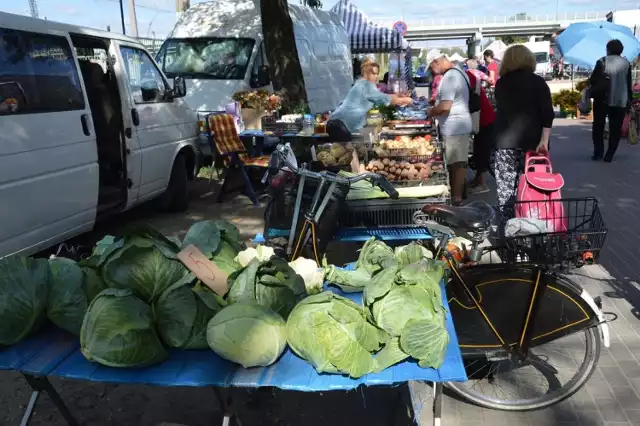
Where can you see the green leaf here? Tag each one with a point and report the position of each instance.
(348, 281)
(67, 301)
(24, 290)
(425, 341)
(205, 235)
(118, 331)
(175, 313)
(390, 355)
(379, 285)
(92, 283)
(399, 306)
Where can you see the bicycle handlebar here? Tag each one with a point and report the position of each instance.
(279, 159)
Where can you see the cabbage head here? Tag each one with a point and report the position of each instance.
(374, 256)
(118, 331)
(273, 284)
(218, 240)
(68, 300)
(334, 335)
(247, 334)
(24, 288)
(412, 253)
(407, 303)
(146, 266)
(183, 311)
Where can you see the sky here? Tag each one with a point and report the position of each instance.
(157, 17)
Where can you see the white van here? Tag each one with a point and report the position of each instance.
(89, 126)
(218, 48)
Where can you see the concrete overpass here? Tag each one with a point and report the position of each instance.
(478, 27)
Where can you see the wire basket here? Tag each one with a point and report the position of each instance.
(579, 237)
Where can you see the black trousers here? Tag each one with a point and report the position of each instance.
(338, 132)
(483, 144)
(616, 116)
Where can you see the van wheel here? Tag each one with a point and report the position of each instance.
(176, 197)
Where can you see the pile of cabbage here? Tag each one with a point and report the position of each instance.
(402, 314)
(133, 299)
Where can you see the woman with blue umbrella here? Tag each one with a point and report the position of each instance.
(600, 45)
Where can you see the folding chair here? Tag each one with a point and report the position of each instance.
(224, 141)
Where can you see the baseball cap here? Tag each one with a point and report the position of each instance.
(432, 55)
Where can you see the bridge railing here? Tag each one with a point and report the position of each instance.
(488, 20)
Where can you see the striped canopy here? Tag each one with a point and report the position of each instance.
(367, 37)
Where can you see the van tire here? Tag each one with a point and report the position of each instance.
(176, 197)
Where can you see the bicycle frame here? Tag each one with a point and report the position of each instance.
(520, 349)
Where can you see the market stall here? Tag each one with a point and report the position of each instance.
(368, 37)
(193, 328)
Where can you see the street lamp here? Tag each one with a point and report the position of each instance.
(122, 17)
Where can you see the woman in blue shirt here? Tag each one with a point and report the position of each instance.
(351, 115)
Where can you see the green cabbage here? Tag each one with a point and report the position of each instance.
(24, 289)
(146, 266)
(374, 256)
(272, 284)
(68, 301)
(182, 313)
(348, 281)
(334, 335)
(411, 253)
(118, 331)
(218, 240)
(407, 303)
(247, 334)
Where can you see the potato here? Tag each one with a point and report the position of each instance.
(392, 163)
(392, 169)
(385, 161)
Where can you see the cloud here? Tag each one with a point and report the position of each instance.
(67, 10)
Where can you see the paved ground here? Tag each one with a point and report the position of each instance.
(611, 397)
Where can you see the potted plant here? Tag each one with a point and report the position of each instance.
(568, 101)
(256, 104)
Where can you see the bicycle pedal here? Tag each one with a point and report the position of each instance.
(598, 302)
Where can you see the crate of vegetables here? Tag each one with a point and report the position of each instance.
(408, 172)
(408, 146)
(340, 154)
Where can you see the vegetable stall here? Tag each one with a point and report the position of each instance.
(208, 311)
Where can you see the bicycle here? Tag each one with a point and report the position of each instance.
(544, 307)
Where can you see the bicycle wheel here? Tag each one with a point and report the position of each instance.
(553, 371)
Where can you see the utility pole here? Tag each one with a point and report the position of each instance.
(33, 8)
(124, 31)
(133, 21)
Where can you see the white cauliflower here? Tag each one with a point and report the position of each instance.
(310, 273)
(261, 252)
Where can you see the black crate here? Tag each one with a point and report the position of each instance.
(269, 124)
(386, 212)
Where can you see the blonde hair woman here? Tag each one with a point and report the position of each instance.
(351, 116)
(524, 118)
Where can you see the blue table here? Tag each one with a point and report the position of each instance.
(56, 353)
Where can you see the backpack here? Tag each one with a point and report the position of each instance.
(600, 90)
(474, 101)
(585, 102)
(539, 193)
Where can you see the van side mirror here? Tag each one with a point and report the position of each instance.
(179, 87)
(263, 76)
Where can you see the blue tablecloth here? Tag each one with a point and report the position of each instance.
(56, 353)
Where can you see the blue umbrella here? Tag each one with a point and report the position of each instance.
(584, 43)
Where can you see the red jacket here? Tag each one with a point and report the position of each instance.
(487, 114)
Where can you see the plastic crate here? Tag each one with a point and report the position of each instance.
(269, 124)
(386, 212)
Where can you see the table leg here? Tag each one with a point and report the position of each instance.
(230, 417)
(39, 384)
(437, 404)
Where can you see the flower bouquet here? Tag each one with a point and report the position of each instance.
(256, 104)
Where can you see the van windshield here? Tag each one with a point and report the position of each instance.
(541, 57)
(206, 58)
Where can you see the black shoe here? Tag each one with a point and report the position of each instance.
(596, 157)
(608, 159)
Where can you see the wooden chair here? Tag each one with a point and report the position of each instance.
(232, 155)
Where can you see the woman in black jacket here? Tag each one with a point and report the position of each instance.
(523, 118)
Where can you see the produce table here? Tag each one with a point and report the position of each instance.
(54, 353)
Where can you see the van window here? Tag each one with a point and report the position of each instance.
(145, 80)
(37, 74)
(207, 58)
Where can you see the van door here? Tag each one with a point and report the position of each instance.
(48, 155)
(160, 122)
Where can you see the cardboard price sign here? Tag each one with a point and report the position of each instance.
(212, 276)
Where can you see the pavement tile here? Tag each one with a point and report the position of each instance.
(610, 410)
(590, 418)
(614, 375)
(631, 369)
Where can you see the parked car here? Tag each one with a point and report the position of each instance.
(90, 127)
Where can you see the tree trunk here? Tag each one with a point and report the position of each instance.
(280, 48)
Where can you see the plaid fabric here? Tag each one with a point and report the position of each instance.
(262, 161)
(223, 128)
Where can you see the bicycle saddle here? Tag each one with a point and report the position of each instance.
(473, 216)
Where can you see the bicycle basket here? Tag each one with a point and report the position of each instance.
(278, 216)
(580, 244)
